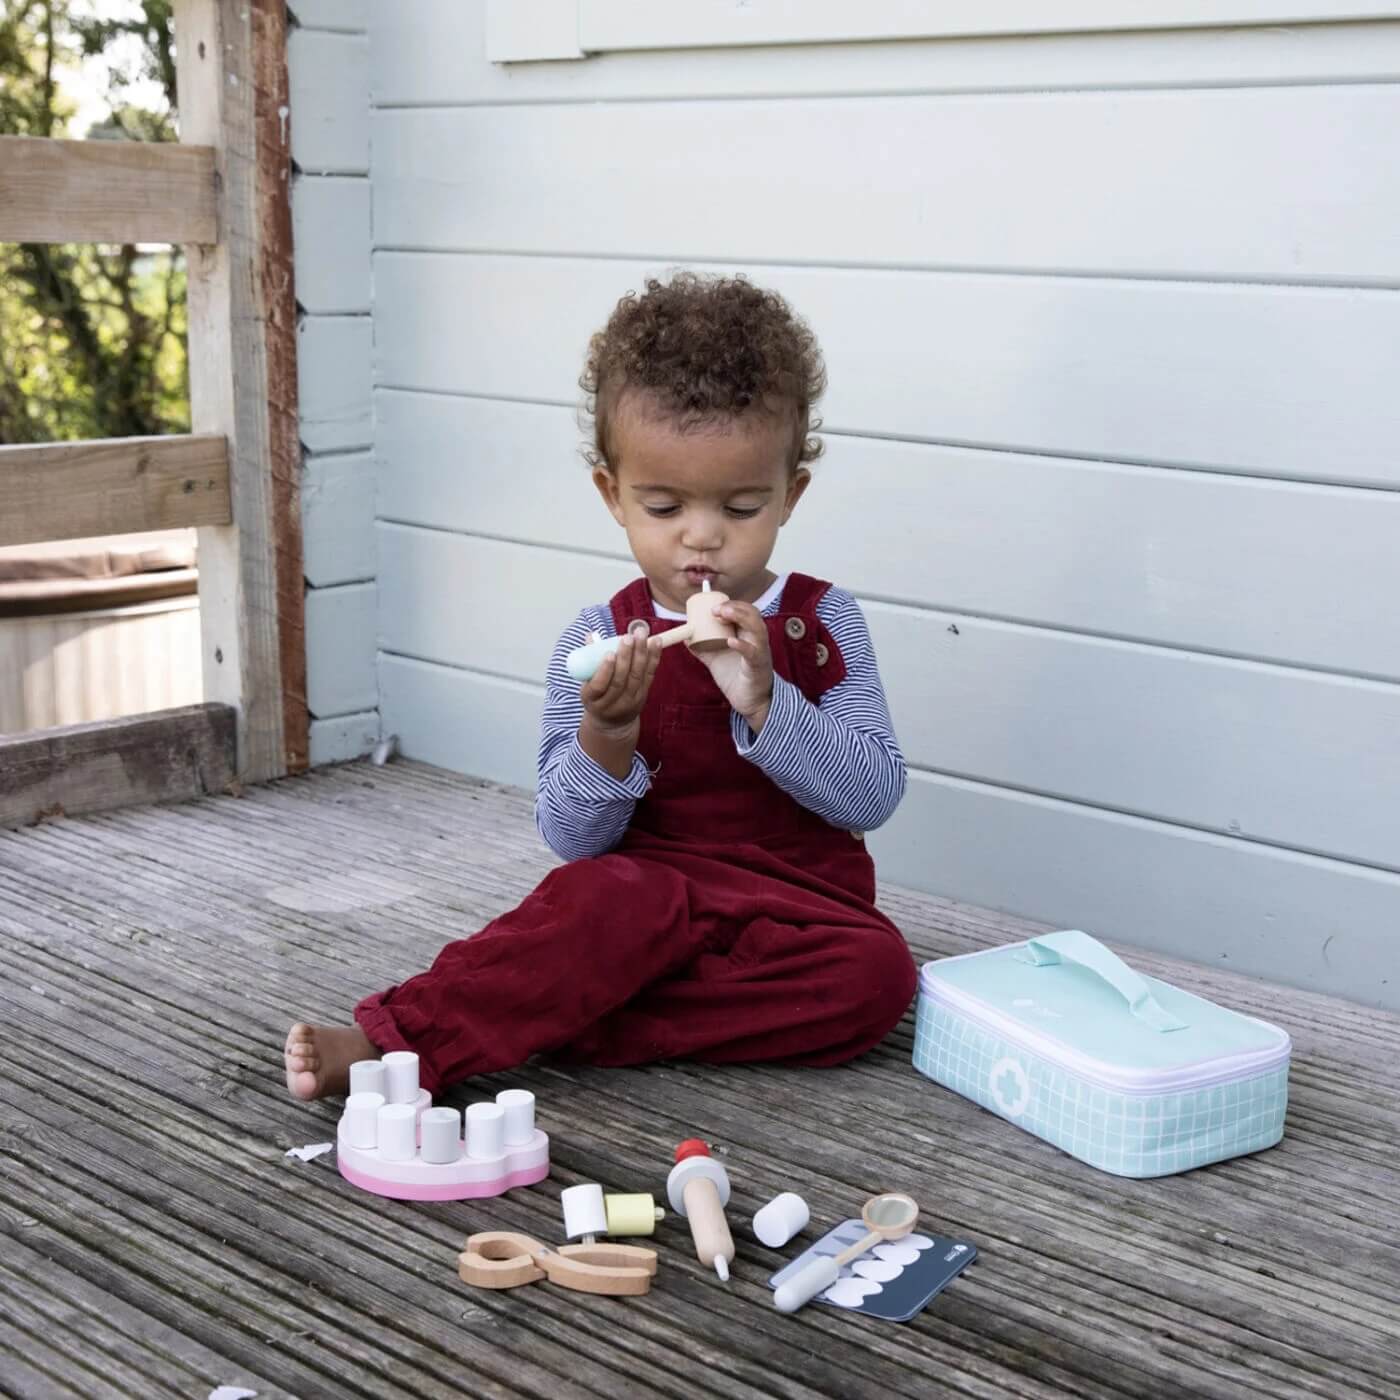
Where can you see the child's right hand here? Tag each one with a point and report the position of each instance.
(613, 699)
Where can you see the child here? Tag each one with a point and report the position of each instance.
(718, 903)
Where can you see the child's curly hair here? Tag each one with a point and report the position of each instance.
(705, 348)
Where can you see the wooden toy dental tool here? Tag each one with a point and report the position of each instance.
(698, 1188)
(888, 1217)
(505, 1259)
(701, 631)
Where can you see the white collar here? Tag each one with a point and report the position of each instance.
(771, 594)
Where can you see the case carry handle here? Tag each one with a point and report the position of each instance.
(1076, 947)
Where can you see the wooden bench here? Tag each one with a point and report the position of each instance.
(157, 1241)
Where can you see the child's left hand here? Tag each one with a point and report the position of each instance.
(744, 672)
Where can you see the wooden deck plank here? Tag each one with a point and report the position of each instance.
(84, 1342)
(150, 961)
(69, 1299)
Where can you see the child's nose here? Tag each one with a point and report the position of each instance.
(702, 531)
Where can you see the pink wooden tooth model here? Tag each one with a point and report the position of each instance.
(702, 631)
(392, 1141)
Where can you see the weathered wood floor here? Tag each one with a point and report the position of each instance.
(156, 1241)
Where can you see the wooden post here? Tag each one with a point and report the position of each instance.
(242, 353)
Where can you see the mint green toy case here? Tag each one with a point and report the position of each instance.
(1127, 1073)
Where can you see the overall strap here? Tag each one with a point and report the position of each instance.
(802, 593)
(804, 651)
(630, 602)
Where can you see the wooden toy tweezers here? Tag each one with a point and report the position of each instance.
(503, 1259)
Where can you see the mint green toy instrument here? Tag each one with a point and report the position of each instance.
(702, 631)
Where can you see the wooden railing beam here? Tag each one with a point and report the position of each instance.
(106, 192)
(113, 486)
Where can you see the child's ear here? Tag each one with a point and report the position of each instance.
(797, 484)
(610, 491)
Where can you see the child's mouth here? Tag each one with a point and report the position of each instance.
(697, 576)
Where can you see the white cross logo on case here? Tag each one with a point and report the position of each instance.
(1010, 1087)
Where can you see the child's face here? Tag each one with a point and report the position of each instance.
(706, 503)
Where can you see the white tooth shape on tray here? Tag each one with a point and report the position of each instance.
(392, 1141)
(871, 1271)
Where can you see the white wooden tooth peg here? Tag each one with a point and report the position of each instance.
(368, 1077)
(397, 1126)
(401, 1074)
(361, 1115)
(486, 1130)
(518, 1105)
(782, 1218)
(442, 1135)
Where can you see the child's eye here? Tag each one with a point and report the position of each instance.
(661, 511)
(743, 512)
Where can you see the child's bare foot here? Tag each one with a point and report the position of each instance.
(319, 1058)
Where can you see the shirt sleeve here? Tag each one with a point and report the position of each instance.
(839, 758)
(580, 808)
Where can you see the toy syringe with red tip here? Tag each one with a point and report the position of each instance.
(699, 1190)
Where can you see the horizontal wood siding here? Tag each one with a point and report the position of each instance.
(436, 56)
(991, 534)
(340, 649)
(1031, 182)
(343, 738)
(329, 75)
(328, 69)
(606, 25)
(330, 222)
(1270, 381)
(1216, 900)
(338, 501)
(1112, 333)
(343, 16)
(1146, 730)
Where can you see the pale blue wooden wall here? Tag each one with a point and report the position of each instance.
(1113, 336)
(328, 76)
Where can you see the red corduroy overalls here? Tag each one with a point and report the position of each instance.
(729, 924)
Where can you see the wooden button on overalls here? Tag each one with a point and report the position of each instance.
(795, 628)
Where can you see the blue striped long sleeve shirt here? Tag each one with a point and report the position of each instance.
(839, 758)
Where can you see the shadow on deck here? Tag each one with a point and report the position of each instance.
(157, 1241)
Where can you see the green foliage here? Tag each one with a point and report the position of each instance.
(92, 337)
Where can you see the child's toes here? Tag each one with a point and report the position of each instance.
(303, 1063)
